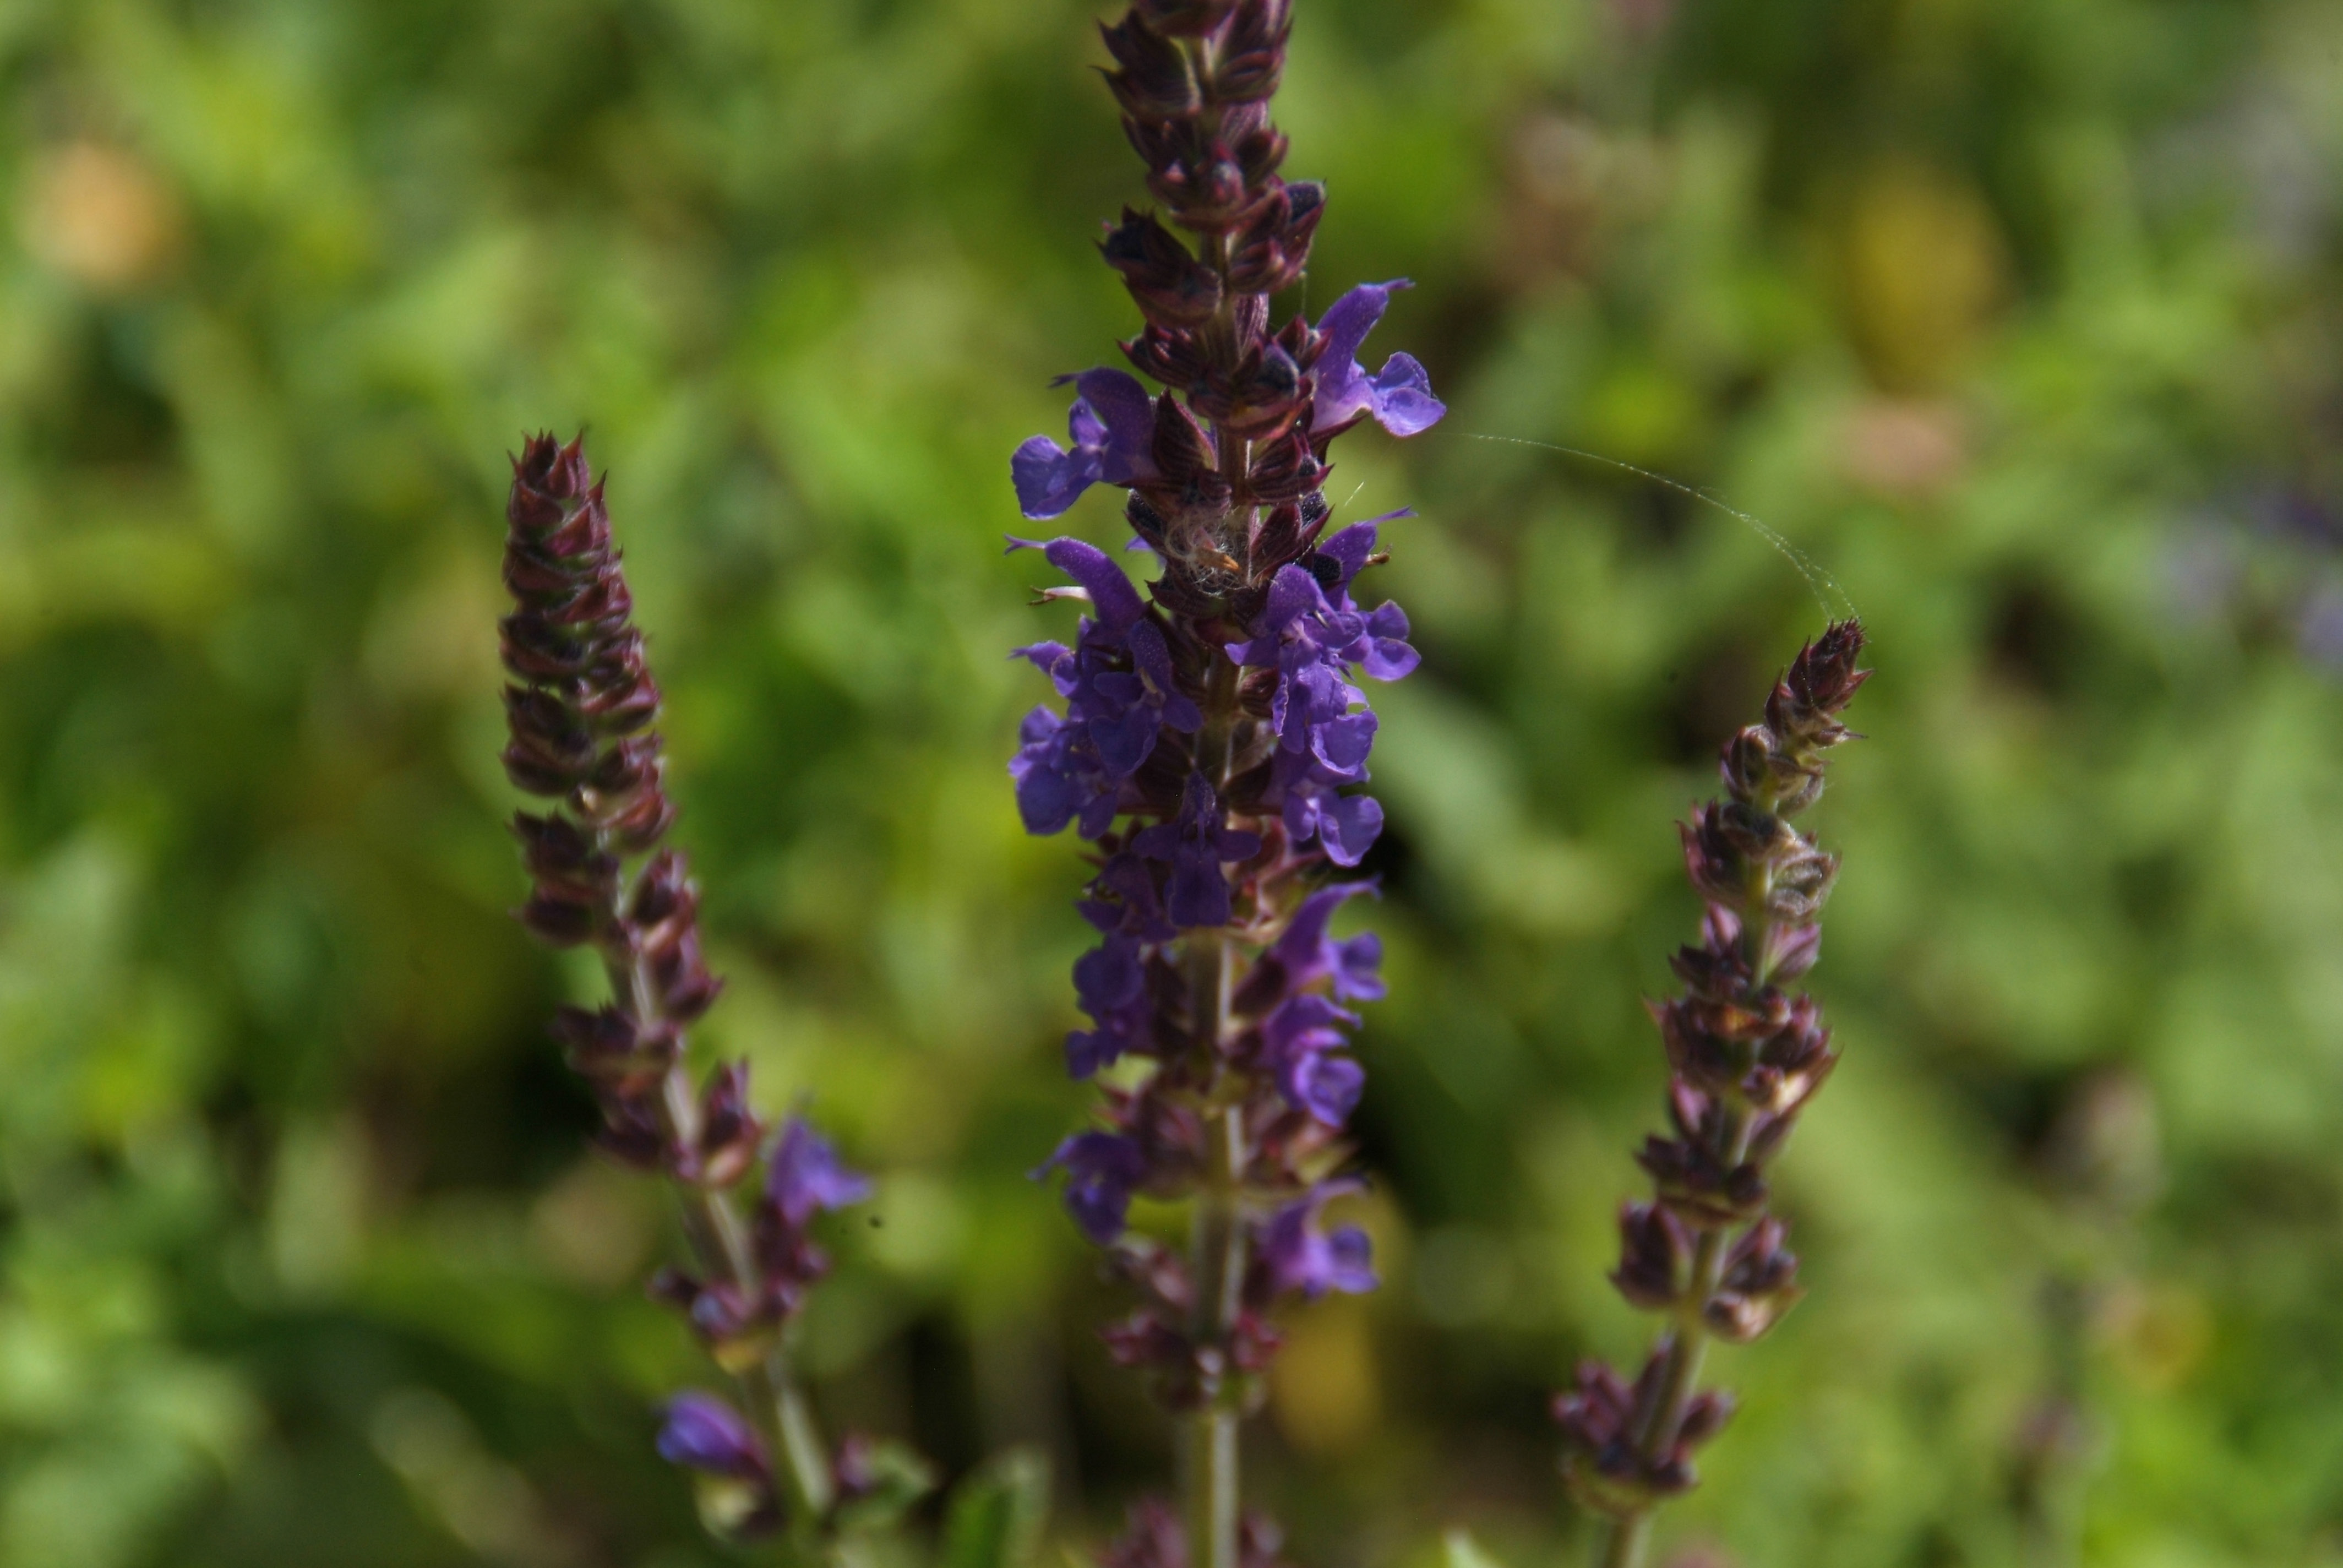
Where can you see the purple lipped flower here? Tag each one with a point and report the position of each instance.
(1109, 592)
(1302, 1256)
(1057, 783)
(1197, 844)
(1308, 953)
(1345, 826)
(1327, 1087)
(1111, 984)
(1399, 396)
(1299, 635)
(703, 1432)
(1103, 1170)
(1123, 710)
(1296, 1039)
(805, 1174)
(1382, 649)
(1108, 428)
(1312, 641)
(1121, 691)
(1125, 900)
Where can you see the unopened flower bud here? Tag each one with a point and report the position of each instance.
(1152, 79)
(1654, 1256)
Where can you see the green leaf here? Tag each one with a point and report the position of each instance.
(996, 1512)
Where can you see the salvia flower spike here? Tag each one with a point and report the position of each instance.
(580, 708)
(1743, 1058)
(1210, 741)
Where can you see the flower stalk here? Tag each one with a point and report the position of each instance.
(1210, 741)
(579, 712)
(1744, 1060)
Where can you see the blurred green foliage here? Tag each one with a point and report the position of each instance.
(2020, 316)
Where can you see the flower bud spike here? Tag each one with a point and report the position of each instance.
(1745, 1058)
(578, 716)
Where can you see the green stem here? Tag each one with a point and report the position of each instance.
(1212, 1487)
(1211, 1468)
(1623, 1543)
(1217, 1264)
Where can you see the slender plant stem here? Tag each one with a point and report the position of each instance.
(1212, 1474)
(1212, 1487)
(1624, 1541)
(1218, 1260)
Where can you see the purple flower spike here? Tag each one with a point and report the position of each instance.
(806, 1175)
(703, 1432)
(1399, 396)
(1302, 1257)
(1109, 428)
(1102, 1171)
(1211, 729)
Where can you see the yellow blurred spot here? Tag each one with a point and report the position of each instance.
(99, 215)
(2156, 1334)
(1925, 271)
(1323, 1389)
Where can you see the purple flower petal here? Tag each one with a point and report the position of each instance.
(1301, 1257)
(1399, 396)
(1047, 797)
(1117, 602)
(1327, 1087)
(1102, 1171)
(1342, 744)
(1127, 414)
(806, 1175)
(1342, 392)
(1351, 547)
(1049, 478)
(1054, 659)
(1305, 934)
(1350, 1262)
(1110, 982)
(1349, 826)
(1402, 400)
(1358, 968)
(703, 1432)
(1110, 426)
(1293, 594)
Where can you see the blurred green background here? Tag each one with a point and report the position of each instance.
(2020, 316)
